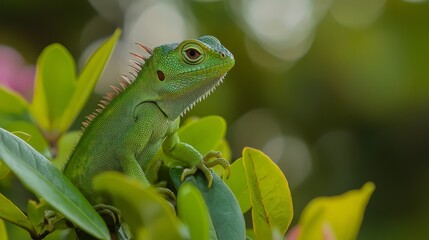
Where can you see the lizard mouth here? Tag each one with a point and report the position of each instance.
(202, 97)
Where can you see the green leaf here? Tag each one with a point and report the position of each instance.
(147, 213)
(41, 177)
(204, 134)
(36, 214)
(237, 182)
(225, 214)
(343, 214)
(66, 144)
(12, 106)
(269, 194)
(193, 211)
(34, 136)
(54, 86)
(59, 96)
(12, 214)
(4, 170)
(88, 78)
(3, 231)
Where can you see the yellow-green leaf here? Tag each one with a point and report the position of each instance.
(147, 213)
(343, 214)
(204, 134)
(193, 211)
(54, 86)
(237, 182)
(12, 214)
(32, 136)
(269, 194)
(12, 106)
(66, 143)
(3, 231)
(87, 79)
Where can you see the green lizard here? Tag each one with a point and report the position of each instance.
(127, 131)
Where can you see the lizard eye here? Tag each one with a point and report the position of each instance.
(192, 54)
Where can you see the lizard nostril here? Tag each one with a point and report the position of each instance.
(222, 55)
(161, 75)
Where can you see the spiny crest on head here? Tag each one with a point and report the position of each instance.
(124, 82)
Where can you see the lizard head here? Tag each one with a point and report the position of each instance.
(187, 72)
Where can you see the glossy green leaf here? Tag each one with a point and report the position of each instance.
(237, 182)
(66, 144)
(41, 177)
(147, 213)
(204, 134)
(12, 214)
(54, 86)
(343, 214)
(225, 213)
(193, 211)
(32, 136)
(87, 79)
(12, 106)
(269, 194)
(3, 231)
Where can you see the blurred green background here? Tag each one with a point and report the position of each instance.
(335, 91)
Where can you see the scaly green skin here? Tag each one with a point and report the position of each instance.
(143, 118)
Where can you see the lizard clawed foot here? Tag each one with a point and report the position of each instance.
(167, 193)
(218, 160)
(110, 214)
(162, 189)
(206, 164)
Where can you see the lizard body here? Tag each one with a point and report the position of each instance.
(144, 117)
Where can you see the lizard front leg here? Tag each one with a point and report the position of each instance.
(194, 160)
